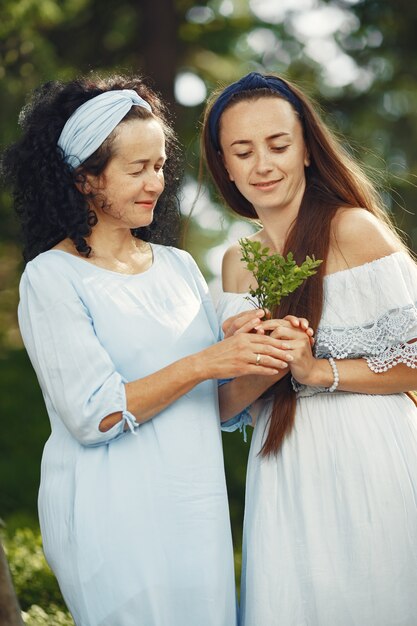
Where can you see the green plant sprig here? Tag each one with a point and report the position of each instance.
(277, 276)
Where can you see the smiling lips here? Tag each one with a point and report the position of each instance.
(147, 203)
(267, 184)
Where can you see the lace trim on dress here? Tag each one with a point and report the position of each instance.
(382, 344)
(374, 339)
(405, 353)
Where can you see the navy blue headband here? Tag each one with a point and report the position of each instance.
(250, 82)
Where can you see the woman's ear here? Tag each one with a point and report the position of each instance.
(83, 184)
(307, 160)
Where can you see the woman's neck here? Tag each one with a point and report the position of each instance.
(112, 243)
(276, 226)
(117, 250)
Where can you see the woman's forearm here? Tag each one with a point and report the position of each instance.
(356, 376)
(150, 395)
(241, 392)
(233, 357)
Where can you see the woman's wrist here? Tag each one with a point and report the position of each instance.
(321, 374)
(196, 370)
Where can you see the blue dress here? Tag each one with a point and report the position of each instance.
(330, 533)
(135, 523)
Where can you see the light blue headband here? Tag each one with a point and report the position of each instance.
(93, 122)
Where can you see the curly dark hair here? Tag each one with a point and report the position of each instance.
(46, 198)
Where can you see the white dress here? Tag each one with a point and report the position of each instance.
(330, 531)
(135, 524)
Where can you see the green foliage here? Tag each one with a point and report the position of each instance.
(36, 587)
(25, 429)
(236, 452)
(36, 616)
(33, 580)
(276, 276)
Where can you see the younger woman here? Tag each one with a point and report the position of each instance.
(330, 534)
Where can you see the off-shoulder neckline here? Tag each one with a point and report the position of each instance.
(367, 265)
(327, 277)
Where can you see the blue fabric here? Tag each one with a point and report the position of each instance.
(223, 381)
(238, 422)
(151, 507)
(93, 122)
(250, 82)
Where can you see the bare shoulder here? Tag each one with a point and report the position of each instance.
(359, 237)
(231, 268)
(235, 277)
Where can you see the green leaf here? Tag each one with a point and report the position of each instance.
(276, 276)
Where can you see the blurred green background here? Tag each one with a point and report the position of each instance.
(356, 58)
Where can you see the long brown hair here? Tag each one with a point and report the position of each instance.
(333, 180)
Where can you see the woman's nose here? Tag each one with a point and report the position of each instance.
(155, 182)
(264, 162)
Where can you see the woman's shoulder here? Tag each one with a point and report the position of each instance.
(359, 237)
(49, 262)
(235, 277)
(180, 256)
(233, 271)
(181, 262)
(173, 251)
(56, 261)
(232, 256)
(49, 278)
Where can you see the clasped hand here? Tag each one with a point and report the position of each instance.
(294, 336)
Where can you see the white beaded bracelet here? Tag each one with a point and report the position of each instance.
(335, 371)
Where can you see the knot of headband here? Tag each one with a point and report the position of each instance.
(250, 82)
(93, 122)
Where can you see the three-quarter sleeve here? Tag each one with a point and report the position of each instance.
(78, 378)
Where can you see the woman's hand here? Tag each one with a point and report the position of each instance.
(278, 327)
(251, 321)
(245, 322)
(242, 354)
(300, 356)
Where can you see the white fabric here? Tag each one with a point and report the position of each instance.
(135, 525)
(330, 534)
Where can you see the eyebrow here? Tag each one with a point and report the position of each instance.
(140, 161)
(274, 136)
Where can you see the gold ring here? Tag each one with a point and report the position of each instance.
(258, 359)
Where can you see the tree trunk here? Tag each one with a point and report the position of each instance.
(159, 46)
(9, 607)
